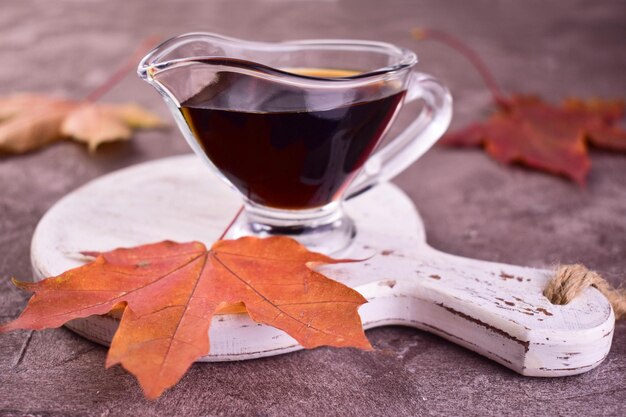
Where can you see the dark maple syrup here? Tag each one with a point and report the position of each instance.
(286, 146)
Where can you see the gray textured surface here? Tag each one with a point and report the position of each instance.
(471, 205)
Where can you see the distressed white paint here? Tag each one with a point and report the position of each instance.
(494, 309)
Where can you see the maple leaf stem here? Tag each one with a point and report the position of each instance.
(120, 73)
(230, 224)
(470, 54)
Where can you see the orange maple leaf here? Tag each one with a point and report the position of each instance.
(172, 290)
(528, 131)
(30, 121)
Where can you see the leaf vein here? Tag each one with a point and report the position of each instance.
(268, 301)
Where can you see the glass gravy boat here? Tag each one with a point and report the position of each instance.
(294, 127)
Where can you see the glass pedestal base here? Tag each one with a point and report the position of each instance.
(328, 230)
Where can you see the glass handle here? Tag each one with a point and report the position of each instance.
(415, 140)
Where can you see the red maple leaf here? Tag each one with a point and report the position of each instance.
(527, 130)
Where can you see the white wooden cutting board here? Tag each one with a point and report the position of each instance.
(494, 309)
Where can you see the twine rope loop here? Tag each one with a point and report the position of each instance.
(570, 280)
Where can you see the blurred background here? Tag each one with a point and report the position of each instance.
(552, 48)
(571, 46)
(471, 205)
